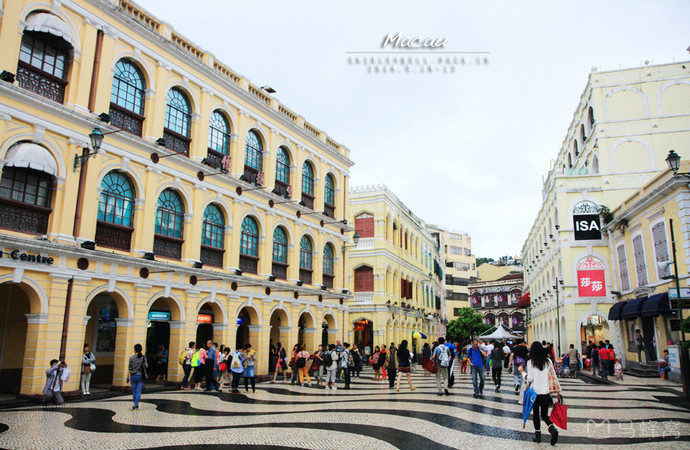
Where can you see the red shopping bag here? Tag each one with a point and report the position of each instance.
(431, 366)
(559, 414)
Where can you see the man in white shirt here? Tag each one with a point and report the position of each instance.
(488, 349)
(506, 351)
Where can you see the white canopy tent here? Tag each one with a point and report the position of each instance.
(499, 332)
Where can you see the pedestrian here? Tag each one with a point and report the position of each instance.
(367, 354)
(347, 362)
(574, 357)
(488, 348)
(331, 362)
(187, 366)
(87, 367)
(497, 357)
(226, 373)
(302, 358)
(618, 370)
(664, 366)
(357, 357)
(639, 344)
(382, 362)
(281, 363)
(477, 358)
(137, 374)
(162, 363)
(404, 363)
(506, 352)
(595, 359)
(426, 357)
(604, 359)
(451, 368)
(518, 358)
(249, 363)
(57, 374)
(612, 357)
(539, 369)
(317, 366)
(463, 356)
(441, 356)
(200, 369)
(391, 365)
(210, 365)
(237, 369)
(221, 365)
(293, 363)
(375, 363)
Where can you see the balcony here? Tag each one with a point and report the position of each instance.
(305, 275)
(308, 200)
(42, 83)
(364, 298)
(113, 236)
(279, 270)
(329, 210)
(126, 120)
(252, 176)
(249, 263)
(328, 281)
(212, 256)
(215, 159)
(176, 142)
(282, 189)
(23, 217)
(167, 246)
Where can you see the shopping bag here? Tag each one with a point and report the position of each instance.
(559, 414)
(432, 367)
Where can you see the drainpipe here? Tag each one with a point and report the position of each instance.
(65, 320)
(96, 67)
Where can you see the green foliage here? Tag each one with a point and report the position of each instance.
(685, 325)
(466, 325)
(482, 260)
(606, 214)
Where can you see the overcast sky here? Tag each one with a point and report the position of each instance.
(466, 150)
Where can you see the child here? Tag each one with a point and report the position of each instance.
(664, 367)
(618, 370)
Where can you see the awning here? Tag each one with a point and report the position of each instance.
(524, 301)
(616, 310)
(48, 23)
(657, 305)
(632, 308)
(33, 156)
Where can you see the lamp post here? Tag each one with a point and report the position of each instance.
(558, 314)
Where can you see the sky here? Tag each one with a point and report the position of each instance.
(466, 149)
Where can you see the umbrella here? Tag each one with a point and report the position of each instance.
(417, 334)
(527, 404)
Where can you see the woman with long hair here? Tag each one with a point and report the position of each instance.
(404, 365)
(137, 373)
(539, 367)
(281, 364)
(426, 357)
(375, 363)
(249, 362)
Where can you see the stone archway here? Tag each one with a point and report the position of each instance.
(210, 323)
(328, 330)
(306, 333)
(163, 335)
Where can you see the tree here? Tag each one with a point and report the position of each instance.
(468, 324)
(483, 260)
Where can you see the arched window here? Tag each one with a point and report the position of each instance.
(213, 236)
(583, 136)
(218, 142)
(178, 117)
(595, 165)
(127, 97)
(570, 161)
(44, 56)
(280, 261)
(576, 151)
(308, 185)
(253, 159)
(590, 118)
(306, 251)
(249, 245)
(282, 173)
(329, 196)
(115, 211)
(26, 196)
(328, 269)
(169, 225)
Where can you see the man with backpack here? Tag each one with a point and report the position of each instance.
(442, 357)
(477, 358)
(497, 356)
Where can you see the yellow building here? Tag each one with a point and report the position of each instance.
(395, 272)
(210, 211)
(460, 269)
(624, 125)
(640, 241)
(496, 297)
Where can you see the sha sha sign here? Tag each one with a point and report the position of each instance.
(586, 221)
(591, 279)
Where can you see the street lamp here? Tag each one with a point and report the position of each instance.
(673, 161)
(96, 138)
(355, 239)
(558, 314)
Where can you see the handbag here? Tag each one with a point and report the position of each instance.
(301, 362)
(283, 364)
(222, 366)
(92, 366)
(554, 385)
(432, 366)
(559, 414)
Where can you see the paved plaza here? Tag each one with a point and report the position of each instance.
(638, 412)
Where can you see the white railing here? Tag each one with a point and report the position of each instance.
(366, 298)
(365, 244)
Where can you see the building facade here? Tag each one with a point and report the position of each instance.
(497, 300)
(624, 125)
(395, 272)
(640, 244)
(211, 211)
(460, 269)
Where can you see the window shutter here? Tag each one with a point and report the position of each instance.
(364, 279)
(640, 266)
(661, 247)
(364, 226)
(623, 268)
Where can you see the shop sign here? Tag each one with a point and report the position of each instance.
(684, 293)
(204, 318)
(586, 221)
(591, 281)
(19, 255)
(359, 327)
(159, 315)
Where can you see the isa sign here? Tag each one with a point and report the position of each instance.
(587, 227)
